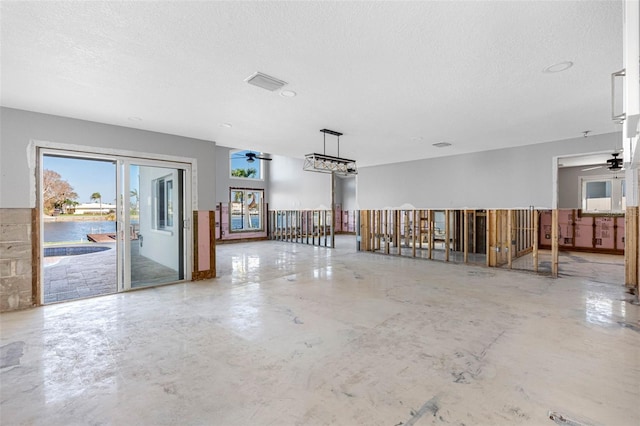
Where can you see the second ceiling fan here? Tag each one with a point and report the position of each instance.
(252, 156)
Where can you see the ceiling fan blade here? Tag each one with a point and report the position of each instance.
(264, 158)
(592, 168)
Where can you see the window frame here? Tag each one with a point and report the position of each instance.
(257, 164)
(163, 194)
(245, 214)
(618, 195)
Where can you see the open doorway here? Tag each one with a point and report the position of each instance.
(78, 227)
(591, 203)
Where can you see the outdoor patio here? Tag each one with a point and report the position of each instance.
(94, 274)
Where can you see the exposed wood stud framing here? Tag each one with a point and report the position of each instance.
(535, 216)
(631, 247)
(554, 243)
(465, 221)
(447, 234)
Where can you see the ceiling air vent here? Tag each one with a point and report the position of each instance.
(441, 144)
(265, 81)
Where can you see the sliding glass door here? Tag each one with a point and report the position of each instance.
(123, 223)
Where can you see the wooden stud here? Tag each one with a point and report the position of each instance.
(631, 247)
(396, 230)
(212, 243)
(194, 271)
(491, 237)
(465, 224)
(510, 233)
(414, 231)
(447, 233)
(376, 226)
(364, 230)
(428, 220)
(536, 235)
(387, 234)
(554, 243)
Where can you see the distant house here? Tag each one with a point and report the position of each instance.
(94, 208)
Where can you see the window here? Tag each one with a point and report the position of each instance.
(246, 209)
(243, 167)
(603, 194)
(163, 203)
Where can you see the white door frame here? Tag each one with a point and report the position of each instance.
(38, 149)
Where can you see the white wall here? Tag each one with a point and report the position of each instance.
(507, 178)
(160, 246)
(224, 181)
(348, 187)
(18, 128)
(569, 184)
(291, 188)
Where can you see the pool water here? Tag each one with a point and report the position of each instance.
(73, 250)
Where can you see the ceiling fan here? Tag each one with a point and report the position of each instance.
(252, 156)
(615, 163)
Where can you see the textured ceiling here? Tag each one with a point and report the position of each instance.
(394, 77)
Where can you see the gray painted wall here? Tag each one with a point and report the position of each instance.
(224, 181)
(291, 188)
(507, 178)
(347, 187)
(18, 128)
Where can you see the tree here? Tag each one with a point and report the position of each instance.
(245, 173)
(97, 196)
(56, 192)
(136, 200)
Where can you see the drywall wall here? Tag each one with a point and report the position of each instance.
(159, 245)
(506, 178)
(18, 128)
(569, 184)
(347, 187)
(291, 188)
(224, 181)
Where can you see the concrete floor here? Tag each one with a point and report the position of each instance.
(299, 335)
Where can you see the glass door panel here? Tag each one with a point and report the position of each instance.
(156, 243)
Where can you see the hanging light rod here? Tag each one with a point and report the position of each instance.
(331, 132)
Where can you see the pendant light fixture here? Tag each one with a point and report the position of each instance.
(323, 163)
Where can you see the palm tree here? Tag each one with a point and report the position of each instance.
(245, 173)
(97, 196)
(134, 194)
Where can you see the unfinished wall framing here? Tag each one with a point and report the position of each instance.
(312, 227)
(496, 238)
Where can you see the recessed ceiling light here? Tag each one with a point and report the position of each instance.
(559, 67)
(226, 125)
(288, 94)
(135, 119)
(441, 144)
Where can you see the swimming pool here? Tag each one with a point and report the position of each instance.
(73, 250)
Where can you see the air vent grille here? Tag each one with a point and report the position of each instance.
(265, 81)
(441, 144)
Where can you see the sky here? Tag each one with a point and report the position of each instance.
(89, 176)
(239, 161)
(86, 176)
